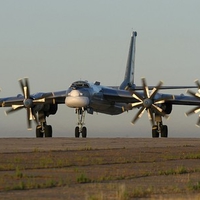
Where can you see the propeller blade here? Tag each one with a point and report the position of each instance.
(162, 100)
(25, 92)
(34, 116)
(192, 111)
(145, 88)
(11, 110)
(21, 85)
(197, 95)
(150, 115)
(155, 90)
(197, 83)
(39, 100)
(29, 118)
(24, 85)
(159, 101)
(36, 119)
(136, 104)
(27, 87)
(198, 122)
(156, 109)
(138, 115)
(137, 96)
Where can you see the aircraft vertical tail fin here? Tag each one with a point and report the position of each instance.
(129, 73)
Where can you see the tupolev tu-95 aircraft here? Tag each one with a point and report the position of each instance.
(87, 97)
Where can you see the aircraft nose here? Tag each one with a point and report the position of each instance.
(75, 99)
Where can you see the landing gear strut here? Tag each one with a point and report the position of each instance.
(81, 121)
(43, 130)
(159, 128)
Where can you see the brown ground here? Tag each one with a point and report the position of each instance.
(99, 168)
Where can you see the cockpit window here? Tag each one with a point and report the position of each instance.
(80, 84)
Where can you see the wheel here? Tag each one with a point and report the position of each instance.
(84, 132)
(39, 133)
(164, 131)
(77, 133)
(155, 133)
(48, 131)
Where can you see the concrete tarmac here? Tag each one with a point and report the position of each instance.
(56, 144)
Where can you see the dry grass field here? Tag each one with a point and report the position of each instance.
(99, 168)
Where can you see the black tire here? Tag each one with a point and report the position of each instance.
(39, 133)
(84, 132)
(48, 131)
(164, 131)
(155, 133)
(77, 133)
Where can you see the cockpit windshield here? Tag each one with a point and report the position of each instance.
(80, 84)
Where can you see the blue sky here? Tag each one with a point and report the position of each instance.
(57, 42)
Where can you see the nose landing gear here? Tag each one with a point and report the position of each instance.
(81, 121)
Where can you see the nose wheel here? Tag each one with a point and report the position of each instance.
(80, 129)
(83, 132)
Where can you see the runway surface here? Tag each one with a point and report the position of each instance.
(99, 168)
(55, 144)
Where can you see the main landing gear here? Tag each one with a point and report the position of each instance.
(81, 129)
(159, 128)
(43, 130)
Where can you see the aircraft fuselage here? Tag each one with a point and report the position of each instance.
(82, 94)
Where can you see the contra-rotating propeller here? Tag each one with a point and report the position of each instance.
(149, 102)
(27, 103)
(197, 108)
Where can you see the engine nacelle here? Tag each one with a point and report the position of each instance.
(50, 109)
(167, 108)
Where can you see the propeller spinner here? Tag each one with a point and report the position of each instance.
(149, 103)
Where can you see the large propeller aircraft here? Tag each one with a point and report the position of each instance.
(87, 97)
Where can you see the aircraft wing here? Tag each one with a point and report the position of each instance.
(57, 97)
(184, 100)
(37, 98)
(123, 96)
(165, 87)
(133, 88)
(9, 101)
